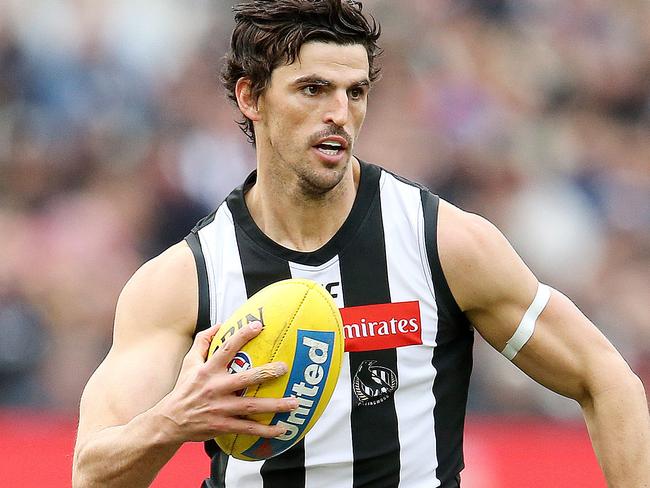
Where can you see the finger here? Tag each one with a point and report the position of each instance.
(254, 376)
(250, 427)
(226, 352)
(250, 406)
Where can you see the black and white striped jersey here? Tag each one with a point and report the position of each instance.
(396, 416)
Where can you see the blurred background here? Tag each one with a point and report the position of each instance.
(115, 138)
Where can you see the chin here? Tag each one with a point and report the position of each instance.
(321, 181)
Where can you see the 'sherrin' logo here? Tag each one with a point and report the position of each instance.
(382, 326)
(247, 319)
(373, 384)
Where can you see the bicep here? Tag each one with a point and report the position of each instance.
(495, 288)
(154, 321)
(129, 381)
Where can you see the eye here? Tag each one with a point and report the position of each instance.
(311, 90)
(356, 93)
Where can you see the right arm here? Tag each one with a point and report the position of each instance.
(155, 390)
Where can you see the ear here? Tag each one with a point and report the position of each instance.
(245, 101)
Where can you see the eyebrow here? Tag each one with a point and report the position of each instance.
(317, 80)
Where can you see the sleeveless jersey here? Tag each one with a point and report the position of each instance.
(397, 413)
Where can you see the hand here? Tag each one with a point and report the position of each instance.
(204, 402)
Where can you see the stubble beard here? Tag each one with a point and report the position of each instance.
(316, 180)
(313, 182)
(318, 183)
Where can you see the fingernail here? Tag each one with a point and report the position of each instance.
(293, 403)
(257, 325)
(281, 368)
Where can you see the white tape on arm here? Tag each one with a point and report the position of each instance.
(526, 327)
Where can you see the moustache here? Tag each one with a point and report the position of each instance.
(331, 131)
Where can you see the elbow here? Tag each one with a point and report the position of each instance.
(78, 477)
(81, 478)
(621, 381)
(80, 472)
(78, 480)
(632, 386)
(637, 385)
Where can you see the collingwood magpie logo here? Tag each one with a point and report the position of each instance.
(373, 384)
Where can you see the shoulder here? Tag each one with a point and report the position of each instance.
(465, 236)
(480, 265)
(162, 294)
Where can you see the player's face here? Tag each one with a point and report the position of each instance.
(312, 112)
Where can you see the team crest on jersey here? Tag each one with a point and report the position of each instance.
(373, 384)
(241, 362)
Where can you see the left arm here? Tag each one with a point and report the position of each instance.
(566, 353)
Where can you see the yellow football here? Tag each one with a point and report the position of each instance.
(303, 328)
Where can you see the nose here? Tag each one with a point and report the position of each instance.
(338, 110)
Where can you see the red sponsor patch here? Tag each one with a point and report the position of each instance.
(382, 326)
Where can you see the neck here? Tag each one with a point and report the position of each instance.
(297, 219)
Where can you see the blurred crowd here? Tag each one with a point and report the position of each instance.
(115, 138)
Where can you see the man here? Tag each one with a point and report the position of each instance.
(300, 72)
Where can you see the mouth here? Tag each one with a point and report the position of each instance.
(332, 146)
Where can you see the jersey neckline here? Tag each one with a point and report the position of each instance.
(368, 187)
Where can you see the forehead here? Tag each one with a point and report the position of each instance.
(330, 61)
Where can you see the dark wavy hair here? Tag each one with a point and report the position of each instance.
(270, 33)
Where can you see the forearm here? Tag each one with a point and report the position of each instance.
(619, 426)
(129, 455)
